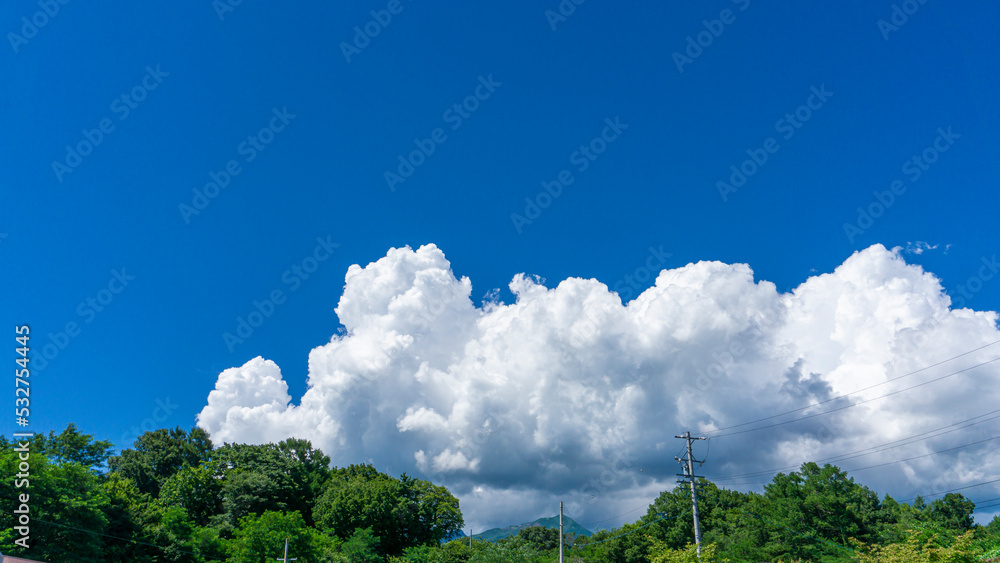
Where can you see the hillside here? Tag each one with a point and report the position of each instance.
(570, 526)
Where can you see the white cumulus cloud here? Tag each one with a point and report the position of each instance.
(569, 394)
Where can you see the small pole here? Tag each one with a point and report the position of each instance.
(560, 532)
(285, 559)
(470, 538)
(689, 475)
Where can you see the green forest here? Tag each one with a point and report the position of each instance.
(176, 497)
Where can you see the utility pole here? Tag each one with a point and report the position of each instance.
(285, 559)
(470, 538)
(688, 464)
(560, 532)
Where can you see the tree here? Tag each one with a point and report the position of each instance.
(817, 503)
(660, 553)
(250, 493)
(430, 512)
(362, 547)
(953, 512)
(256, 478)
(506, 550)
(64, 502)
(355, 499)
(159, 454)
(71, 446)
(260, 538)
(195, 490)
(993, 528)
(403, 512)
(309, 471)
(627, 544)
(916, 550)
(540, 537)
(126, 514)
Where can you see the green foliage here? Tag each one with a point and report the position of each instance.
(71, 446)
(542, 539)
(953, 512)
(917, 550)
(362, 547)
(159, 454)
(456, 551)
(309, 469)
(812, 514)
(195, 490)
(507, 550)
(993, 528)
(63, 502)
(670, 514)
(404, 512)
(257, 478)
(629, 544)
(259, 539)
(941, 521)
(173, 498)
(660, 553)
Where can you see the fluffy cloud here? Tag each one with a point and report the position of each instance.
(569, 394)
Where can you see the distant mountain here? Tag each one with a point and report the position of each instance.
(570, 526)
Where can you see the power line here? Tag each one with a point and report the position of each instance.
(645, 506)
(952, 490)
(762, 519)
(925, 455)
(873, 449)
(637, 529)
(857, 391)
(123, 539)
(847, 406)
(589, 524)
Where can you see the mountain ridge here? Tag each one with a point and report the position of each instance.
(570, 526)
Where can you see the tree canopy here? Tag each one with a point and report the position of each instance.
(175, 497)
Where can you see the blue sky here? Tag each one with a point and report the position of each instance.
(180, 90)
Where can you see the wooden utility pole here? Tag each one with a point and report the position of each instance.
(688, 464)
(560, 532)
(285, 559)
